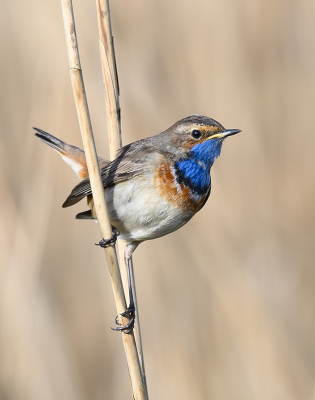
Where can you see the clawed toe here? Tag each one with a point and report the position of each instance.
(126, 328)
(130, 325)
(109, 242)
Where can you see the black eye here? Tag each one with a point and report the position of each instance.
(196, 134)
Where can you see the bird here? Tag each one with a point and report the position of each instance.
(153, 187)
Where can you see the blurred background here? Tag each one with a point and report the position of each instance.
(227, 303)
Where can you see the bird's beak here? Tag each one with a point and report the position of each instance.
(230, 132)
(224, 134)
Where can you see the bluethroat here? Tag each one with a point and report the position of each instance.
(153, 187)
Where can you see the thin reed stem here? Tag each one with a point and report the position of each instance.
(111, 83)
(98, 194)
(110, 78)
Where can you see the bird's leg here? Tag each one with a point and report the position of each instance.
(109, 242)
(130, 311)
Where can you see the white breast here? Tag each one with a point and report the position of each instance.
(139, 213)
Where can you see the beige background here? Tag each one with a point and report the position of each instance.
(227, 303)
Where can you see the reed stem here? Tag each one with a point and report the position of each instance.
(76, 75)
(111, 83)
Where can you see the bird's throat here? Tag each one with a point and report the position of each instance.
(194, 175)
(194, 170)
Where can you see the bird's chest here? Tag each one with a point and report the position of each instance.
(186, 184)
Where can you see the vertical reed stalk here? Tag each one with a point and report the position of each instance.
(111, 83)
(137, 384)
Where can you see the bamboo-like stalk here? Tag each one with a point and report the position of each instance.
(98, 193)
(110, 78)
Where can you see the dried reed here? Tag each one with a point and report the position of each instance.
(111, 84)
(137, 382)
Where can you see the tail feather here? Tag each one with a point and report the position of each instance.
(52, 141)
(85, 215)
(72, 155)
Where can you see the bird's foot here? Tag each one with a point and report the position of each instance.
(130, 312)
(109, 242)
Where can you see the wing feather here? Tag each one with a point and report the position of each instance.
(129, 163)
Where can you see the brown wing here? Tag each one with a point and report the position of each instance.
(129, 163)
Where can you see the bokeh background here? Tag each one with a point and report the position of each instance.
(227, 303)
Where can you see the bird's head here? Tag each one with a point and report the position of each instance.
(197, 135)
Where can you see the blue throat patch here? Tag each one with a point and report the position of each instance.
(194, 170)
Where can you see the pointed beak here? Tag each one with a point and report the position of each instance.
(224, 134)
(230, 132)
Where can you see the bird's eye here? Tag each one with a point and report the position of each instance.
(196, 134)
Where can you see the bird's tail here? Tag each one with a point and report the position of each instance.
(72, 155)
(52, 141)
